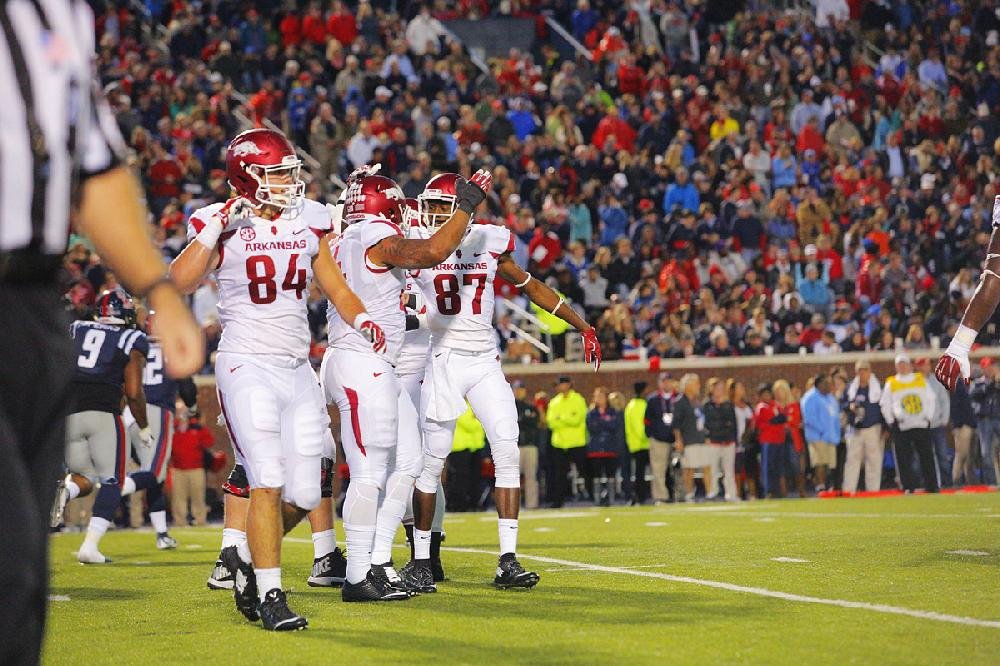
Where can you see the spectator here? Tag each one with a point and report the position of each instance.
(747, 468)
(721, 425)
(528, 439)
(814, 286)
(681, 194)
(795, 448)
(606, 429)
(566, 416)
(939, 424)
(637, 441)
(423, 33)
(864, 430)
(187, 462)
(769, 422)
(985, 395)
(963, 421)
(690, 435)
(821, 417)
(908, 408)
(659, 429)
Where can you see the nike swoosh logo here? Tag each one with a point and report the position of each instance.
(377, 374)
(232, 370)
(296, 233)
(479, 254)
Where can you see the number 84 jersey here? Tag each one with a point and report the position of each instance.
(263, 274)
(459, 291)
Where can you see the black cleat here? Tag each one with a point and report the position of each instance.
(244, 583)
(417, 575)
(275, 614)
(387, 576)
(329, 570)
(510, 574)
(370, 589)
(221, 578)
(437, 570)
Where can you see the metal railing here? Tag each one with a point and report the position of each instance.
(531, 319)
(570, 39)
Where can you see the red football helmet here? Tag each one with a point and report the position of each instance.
(262, 167)
(439, 191)
(374, 195)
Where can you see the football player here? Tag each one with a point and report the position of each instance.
(464, 364)
(161, 400)
(374, 253)
(954, 363)
(111, 355)
(264, 247)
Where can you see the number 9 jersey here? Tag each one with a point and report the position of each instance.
(263, 274)
(459, 291)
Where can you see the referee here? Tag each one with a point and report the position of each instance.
(60, 157)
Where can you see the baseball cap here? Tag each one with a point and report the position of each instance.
(903, 358)
(564, 379)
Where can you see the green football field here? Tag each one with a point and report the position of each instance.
(907, 580)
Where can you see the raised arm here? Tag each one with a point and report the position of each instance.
(350, 308)
(426, 253)
(201, 256)
(547, 299)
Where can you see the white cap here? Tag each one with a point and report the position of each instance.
(902, 358)
(810, 249)
(927, 181)
(382, 90)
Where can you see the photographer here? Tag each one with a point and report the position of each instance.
(864, 429)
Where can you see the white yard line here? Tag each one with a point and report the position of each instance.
(793, 560)
(817, 514)
(974, 553)
(759, 591)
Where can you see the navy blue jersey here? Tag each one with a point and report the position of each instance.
(102, 353)
(160, 389)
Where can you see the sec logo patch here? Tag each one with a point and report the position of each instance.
(247, 233)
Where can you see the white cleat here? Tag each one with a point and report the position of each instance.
(91, 557)
(165, 542)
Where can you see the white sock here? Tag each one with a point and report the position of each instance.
(233, 537)
(72, 488)
(421, 544)
(437, 522)
(159, 520)
(508, 535)
(323, 543)
(267, 580)
(243, 550)
(95, 530)
(360, 512)
(128, 487)
(398, 488)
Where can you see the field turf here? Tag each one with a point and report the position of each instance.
(906, 580)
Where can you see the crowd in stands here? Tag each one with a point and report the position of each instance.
(716, 178)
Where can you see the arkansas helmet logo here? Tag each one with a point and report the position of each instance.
(246, 148)
(247, 233)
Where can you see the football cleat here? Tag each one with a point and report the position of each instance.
(417, 575)
(387, 575)
(244, 583)
(275, 615)
(437, 569)
(329, 570)
(91, 557)
(221, 578)
(510, 574)
(165, 542)
(370, 589)
(59, 506)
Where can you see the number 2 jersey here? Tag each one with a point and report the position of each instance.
(459, 291)
(160, 388)
(378, 287)
(103, 351)
(263, 274)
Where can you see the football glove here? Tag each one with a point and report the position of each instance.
(364, 325)
(950, 367)
(470, 193)
(146, 437)
(363, 171)
(592, 348)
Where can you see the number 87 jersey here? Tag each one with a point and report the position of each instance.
(459, 291)
(263, 274)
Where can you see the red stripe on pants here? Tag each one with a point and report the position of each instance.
(352, 400)
(120, 453)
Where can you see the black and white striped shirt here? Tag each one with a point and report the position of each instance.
(55, 126)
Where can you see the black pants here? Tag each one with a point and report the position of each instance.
(561, 461)
(463, 481)
(917, 440)
(640, 487)
(36, 367)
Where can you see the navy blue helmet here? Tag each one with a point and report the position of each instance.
(115, 306)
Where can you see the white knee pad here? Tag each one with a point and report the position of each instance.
(360, 504)
(267, 473)
(506, 462)
(409, 462)
(263, 411)
(303, 486)
(430, 475)
(373, 468)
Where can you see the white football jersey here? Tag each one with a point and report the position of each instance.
(413, 353)
(378, 287)
(459, 291)
(264, 271)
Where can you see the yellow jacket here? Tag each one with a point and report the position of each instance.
(469, 433)
(635, 425)
(566, 417)
(550, 323)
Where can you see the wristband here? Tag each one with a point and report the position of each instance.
(556, 308)
(963, 340)
(209, 236)
(360, 321)
(526, 281)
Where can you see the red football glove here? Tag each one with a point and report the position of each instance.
(592, 348)
(374, 333)
(949, 369)
(482, 179)
(363, 171)
(234, 210)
